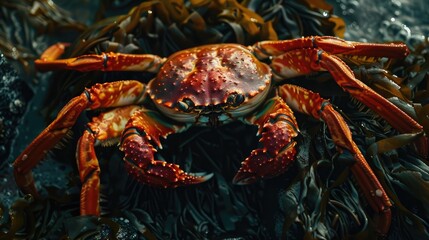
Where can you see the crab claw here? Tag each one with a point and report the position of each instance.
(260, 164)
(140, 163)
(167, 175)
(278, 127)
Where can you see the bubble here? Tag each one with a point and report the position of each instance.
(2, 152)
(415, 39)
(16, 106)
(396, 4)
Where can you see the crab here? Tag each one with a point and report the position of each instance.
(212, 85)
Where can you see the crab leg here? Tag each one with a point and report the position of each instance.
(99, 96)
(143, 130)
(98, 62)
(310, 103)
(278, 126)
(305, 61)
(106, 129)
(332, 45)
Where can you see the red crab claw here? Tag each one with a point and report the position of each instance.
(139, 154)
(278, 147)
(261, 164)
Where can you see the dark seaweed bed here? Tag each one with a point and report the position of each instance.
(315, 198)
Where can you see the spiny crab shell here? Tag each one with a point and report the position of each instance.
(206, 77)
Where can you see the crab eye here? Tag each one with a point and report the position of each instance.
(186, 105)
(235, 99)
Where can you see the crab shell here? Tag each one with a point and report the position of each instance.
(210, 78)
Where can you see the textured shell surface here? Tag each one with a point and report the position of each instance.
(207, 75)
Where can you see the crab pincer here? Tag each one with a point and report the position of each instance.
(139, 154)
(278, 128)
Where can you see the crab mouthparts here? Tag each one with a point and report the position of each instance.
(213, 119)
(212, 115)
(210, 118)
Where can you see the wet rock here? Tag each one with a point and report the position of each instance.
(14, 96)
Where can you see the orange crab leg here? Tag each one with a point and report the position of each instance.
(332, 45)
(143, 130)
(310, 103)
(89, 171)
(99, 96)
(98, 62)
(305, 61)
(278, 126)
(54, 52)
(105, 129)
